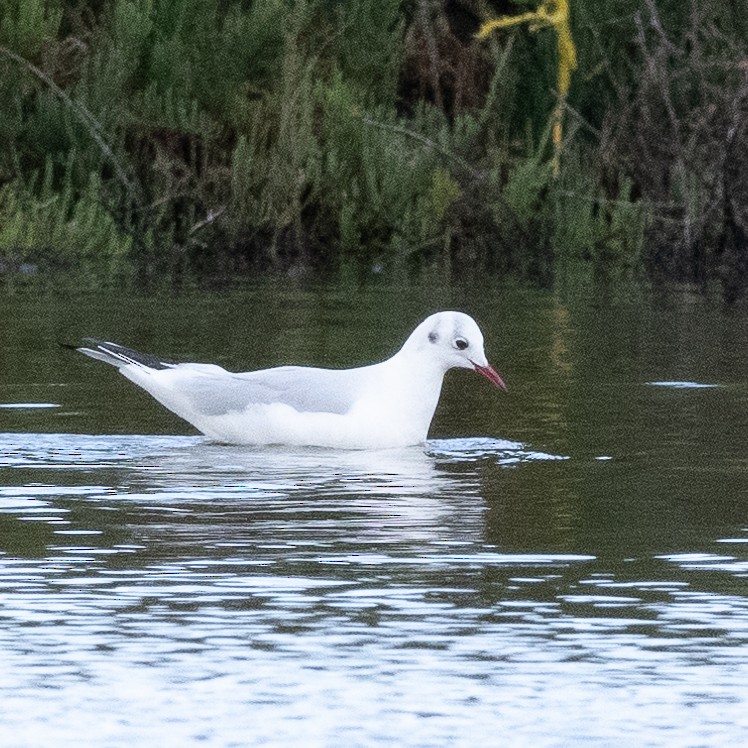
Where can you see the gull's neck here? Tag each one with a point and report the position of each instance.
(406, 388)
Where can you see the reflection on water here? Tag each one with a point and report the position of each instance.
(577, 573)
(262, 596)
(683, 385)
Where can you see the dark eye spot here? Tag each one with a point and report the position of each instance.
(461, 344)
(433, 336)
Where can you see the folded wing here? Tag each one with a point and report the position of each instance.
(210, 390)
(217, 391)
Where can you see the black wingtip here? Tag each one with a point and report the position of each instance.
(99, 341)
(123, 353)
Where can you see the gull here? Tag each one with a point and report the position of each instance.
(385, 405)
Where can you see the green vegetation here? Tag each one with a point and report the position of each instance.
(152, 139)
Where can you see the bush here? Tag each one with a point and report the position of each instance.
(159, 139)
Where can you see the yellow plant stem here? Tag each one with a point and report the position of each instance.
(554, 13)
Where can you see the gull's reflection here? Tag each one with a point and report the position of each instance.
(400, 491)
(189, 487)
(203, 463)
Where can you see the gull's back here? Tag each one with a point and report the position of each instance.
(210, 390)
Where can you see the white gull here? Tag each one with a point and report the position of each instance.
(389, 404)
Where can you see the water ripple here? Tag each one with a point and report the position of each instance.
(246, 596)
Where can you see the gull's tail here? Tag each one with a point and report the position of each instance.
(119, 355)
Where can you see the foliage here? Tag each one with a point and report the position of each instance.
(61, 226)
(161, 137)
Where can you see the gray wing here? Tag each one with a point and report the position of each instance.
(304, 388)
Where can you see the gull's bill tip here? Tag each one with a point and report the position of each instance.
(491, 375)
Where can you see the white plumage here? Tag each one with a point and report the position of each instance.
(389, 404)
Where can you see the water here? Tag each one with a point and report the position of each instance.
(563, 565)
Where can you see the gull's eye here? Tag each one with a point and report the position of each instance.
(461, 344)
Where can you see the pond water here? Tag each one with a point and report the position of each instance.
(565, 564)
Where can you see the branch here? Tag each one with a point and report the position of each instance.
(400, 130)
(84, 115)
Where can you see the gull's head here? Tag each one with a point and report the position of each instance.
(454, 341)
